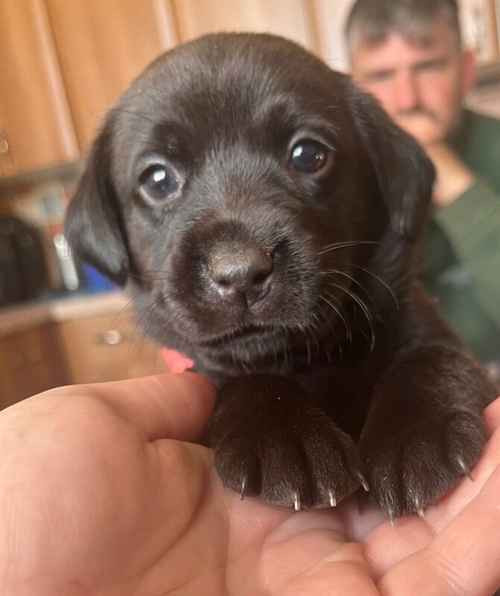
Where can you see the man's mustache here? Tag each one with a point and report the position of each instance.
(417, 112)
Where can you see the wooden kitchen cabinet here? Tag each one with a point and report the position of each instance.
(102, 46)
(107, 347)
(64, 63)
(62, 348)
(291, 18)
(36, 128)
(31, 361)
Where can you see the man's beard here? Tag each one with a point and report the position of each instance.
(443, 131)
(422, 123)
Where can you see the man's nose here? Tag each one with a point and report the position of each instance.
(406, 91)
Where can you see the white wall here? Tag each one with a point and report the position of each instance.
(332, 14)
(331, 17)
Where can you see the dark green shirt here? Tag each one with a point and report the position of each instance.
(462, 250)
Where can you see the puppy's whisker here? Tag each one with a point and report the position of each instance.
(146, 277)
(346, 244)
(382, 282)
(308, 352)
(314, 327)
(364, 309)
(350, 277)
(321, 321)
(311, 335)
(125, 310)
(334, 299)
(156, 272)
(338, 312)
(147, 315)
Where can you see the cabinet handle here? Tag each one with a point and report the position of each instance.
(110, 337)
(4, 144)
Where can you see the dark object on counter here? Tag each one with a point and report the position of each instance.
(23, 272)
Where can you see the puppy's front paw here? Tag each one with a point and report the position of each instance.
(269, 441)
(411, 467)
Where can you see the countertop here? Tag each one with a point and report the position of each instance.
(17, 318)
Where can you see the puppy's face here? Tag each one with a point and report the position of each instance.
(243, 190)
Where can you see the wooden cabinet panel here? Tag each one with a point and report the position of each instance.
(102, 46)
(107, 348)
(30, 362)
(36, 129)
(86, 349)
(291, 18)
(329, 18)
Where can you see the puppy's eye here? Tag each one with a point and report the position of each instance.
(309, 157)
(158, 182)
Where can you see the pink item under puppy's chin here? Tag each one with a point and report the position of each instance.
(175, 361)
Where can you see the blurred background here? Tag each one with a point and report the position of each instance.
(64, 62)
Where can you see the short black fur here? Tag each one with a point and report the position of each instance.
(295, 291)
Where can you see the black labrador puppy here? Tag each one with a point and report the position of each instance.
(265, 215)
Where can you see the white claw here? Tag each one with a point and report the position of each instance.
(296, 501)
(333, 500)
(364, 483)
(392, 521)
(419, 508)
(243, 488)
(465, 470)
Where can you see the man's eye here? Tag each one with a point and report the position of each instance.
(432, 65)
(310, 157)
(158, 182)
(378, 76)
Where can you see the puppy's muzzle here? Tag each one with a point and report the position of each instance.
(240, 272)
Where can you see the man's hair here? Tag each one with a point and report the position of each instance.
(371, 21)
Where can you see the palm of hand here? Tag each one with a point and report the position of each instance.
(347, 552)
(123, 512)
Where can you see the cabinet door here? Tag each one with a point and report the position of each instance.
(291, 18)
(102, 45)
(107, 348)
(35, 124)
(31, 361)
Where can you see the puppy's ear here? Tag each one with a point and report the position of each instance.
(404, 173)
(93, 226)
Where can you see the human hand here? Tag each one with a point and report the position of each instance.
(453, 176)
(103, 495)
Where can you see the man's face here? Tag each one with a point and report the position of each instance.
(422, 87)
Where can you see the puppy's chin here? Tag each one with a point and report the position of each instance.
(225, 342)
(207, 323)
(243, 335)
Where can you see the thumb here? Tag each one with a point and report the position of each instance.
(167, 406)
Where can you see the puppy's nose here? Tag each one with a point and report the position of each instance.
(241, 271)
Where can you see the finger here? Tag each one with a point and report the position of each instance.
(469, 487)
(343, 572)
(308, 554)
(492, 415)
(173, 406)
(463, 559)
(389, 545)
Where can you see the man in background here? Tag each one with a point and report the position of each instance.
(409, 55)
